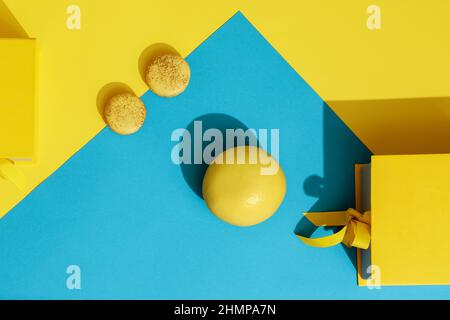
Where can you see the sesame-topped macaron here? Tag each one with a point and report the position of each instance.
(168, 75)
(125, 113)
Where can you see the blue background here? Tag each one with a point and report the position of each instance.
(131, 219)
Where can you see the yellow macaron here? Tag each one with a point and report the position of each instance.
(125, 113)
(168, 75)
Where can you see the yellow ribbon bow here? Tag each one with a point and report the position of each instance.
(355, 233)
(9, 172)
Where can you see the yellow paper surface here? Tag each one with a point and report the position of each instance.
(410, 219)
(399, 126)
(327, 42)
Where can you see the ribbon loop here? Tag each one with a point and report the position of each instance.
(355, 231)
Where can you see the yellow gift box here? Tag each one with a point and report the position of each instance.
(401, 221)
(18, 114)
(18, 111)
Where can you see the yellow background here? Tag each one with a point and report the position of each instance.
(327, 43)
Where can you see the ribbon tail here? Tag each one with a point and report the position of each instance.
(8, 171)
(325, 242)
(327, 219)
(355, 233)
